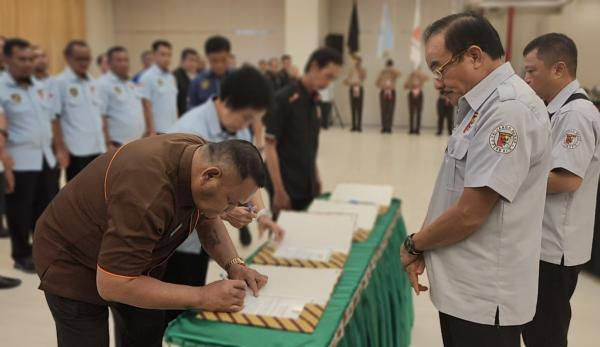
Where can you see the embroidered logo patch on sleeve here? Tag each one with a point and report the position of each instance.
(571, 139)
(471, 122)
(504, 139)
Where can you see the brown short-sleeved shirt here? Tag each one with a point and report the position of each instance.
(125, 213)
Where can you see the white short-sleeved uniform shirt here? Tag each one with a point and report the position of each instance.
(29, 115)
(204, 121)
(75, 101)
(160, 88)
(568, 228)
(121, 103)
(501, 142)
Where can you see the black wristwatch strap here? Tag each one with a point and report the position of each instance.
(409, 244)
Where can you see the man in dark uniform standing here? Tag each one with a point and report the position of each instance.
(184, 75)
(292, 134)
(217, 50)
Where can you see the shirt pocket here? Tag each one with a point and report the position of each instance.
(456, 158)
(74, 95)
(17, 104)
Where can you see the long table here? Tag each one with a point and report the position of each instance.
(370, 306)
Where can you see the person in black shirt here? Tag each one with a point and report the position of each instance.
(292, 134)
(184, 75)
(274, 74)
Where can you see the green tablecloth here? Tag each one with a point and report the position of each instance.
(370, 306)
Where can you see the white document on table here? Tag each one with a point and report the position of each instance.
(380, 195)
(273, 306)
(366, 214)
(289, 289)
(315, 234)
(301, 253)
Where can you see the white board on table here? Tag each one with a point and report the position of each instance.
(380, 195)
(366, 214)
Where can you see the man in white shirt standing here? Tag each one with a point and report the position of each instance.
(568, 228)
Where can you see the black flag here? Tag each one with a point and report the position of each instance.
(353, 30)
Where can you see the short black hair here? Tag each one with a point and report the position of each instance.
(555, 47)
(160, 43)
(244, 157)
(323, 57)
(462, 30)
(145, 53)
(114, 49)
(11, 44)
(246, 87)
(99, 58)
(71, 46)
(217, 44)
(389, 62)
(187, 52)
(286, 57)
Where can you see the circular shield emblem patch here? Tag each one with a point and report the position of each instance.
(504, 139)
(73, 91)
(571, 139)
(16, 98)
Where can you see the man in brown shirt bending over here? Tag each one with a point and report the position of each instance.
(104, 239)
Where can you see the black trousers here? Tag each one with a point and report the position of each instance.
(550, 325)
(594, 264)
(2, 200)
(356, 106)
(415, 108)
(83, 324)
(388, 103)
(325, 114)
(76, 164)
(461, 333)
(33, 192)
(445, 113)
(185, 268)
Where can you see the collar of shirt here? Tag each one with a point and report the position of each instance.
(210, 74)
(313, 96)
(560, 99)
(13, 83)
(475, 97)
(215, 128)
(156, 69)
(73, 77)
(184, 179)
(112, 76)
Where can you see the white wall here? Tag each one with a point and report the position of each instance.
(302, 19)
(255, 27)
(99, 27)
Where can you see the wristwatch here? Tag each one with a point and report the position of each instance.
(235, 260)
(409, 245)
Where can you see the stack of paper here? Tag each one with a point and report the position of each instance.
(289, 290)
(315, 236)
(366, 215)
(380, 195)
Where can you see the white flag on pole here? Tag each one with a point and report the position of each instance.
(385, 43)
(415, 37)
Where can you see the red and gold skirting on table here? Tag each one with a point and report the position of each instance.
(266, 257)
(306, 323)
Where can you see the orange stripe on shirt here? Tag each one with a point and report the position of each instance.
(113, 274)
